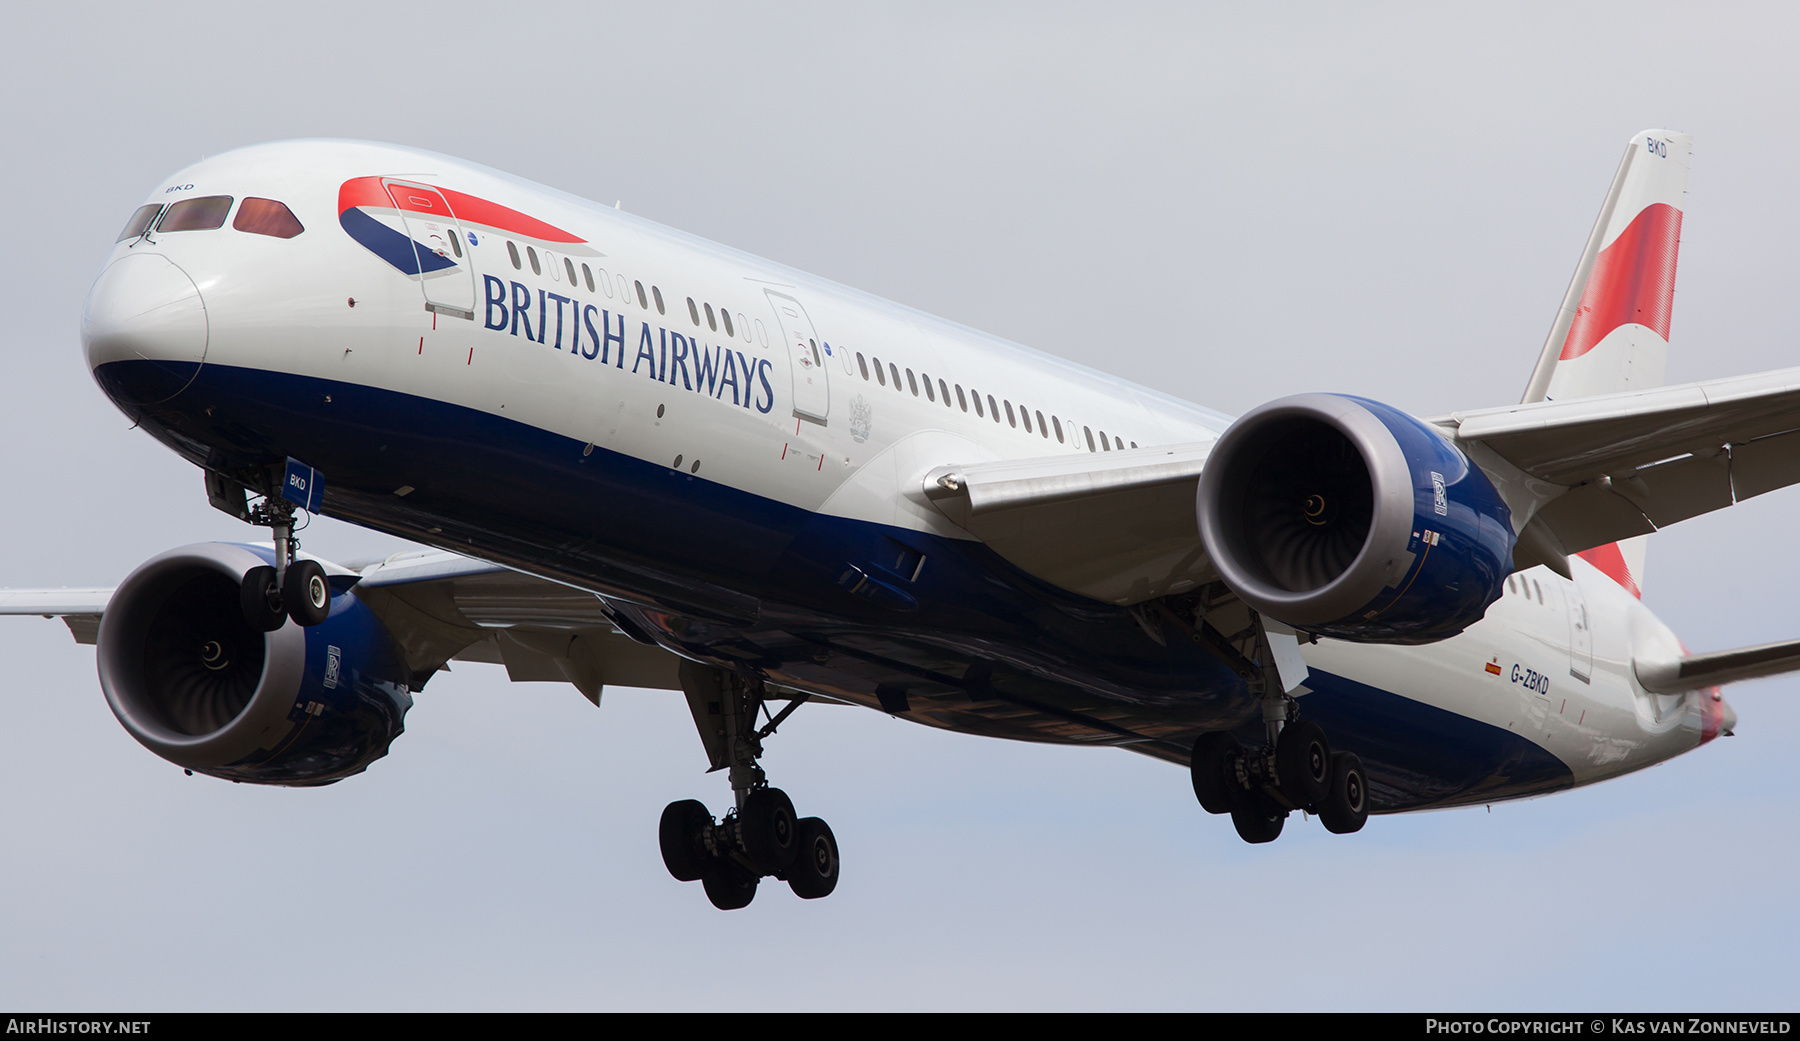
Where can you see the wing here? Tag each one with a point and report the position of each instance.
(441, 607)
(80, 609)
(1596, 470)
(1119, 527)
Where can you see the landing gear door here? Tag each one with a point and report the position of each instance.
(806, 359)
(445, 275)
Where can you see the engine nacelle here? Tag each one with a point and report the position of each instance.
(194, 683)
(1343, 517)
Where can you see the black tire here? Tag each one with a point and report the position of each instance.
(1256, 819)
(305, 593)
(770, 831)
(1303, 761)
(815, 870)
(260, 600)
(1213, 767)
(729, 884)
(679, 835)
(1346, 809)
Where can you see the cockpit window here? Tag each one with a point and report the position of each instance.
(266, 217)
(203, 214)
(140, 221)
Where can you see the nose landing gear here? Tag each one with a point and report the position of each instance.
(296, 589)
(761, 837)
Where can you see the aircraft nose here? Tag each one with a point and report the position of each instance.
(145, 330)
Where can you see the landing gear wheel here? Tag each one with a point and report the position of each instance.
(1214, 770)
(729, 885)
(815, 871)
(770, 832)
(1303, 761)
(1347, 807)
(306, 593)
(1256, 819)
(679, 834)
(260, 600)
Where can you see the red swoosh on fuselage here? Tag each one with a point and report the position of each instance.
(469, 209)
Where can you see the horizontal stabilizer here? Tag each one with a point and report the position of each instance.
(1696, 671)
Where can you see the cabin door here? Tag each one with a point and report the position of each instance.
(445, 274)
(806, 358)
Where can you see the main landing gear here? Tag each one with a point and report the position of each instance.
(762, 836)
(293, 588)
(1295, 769)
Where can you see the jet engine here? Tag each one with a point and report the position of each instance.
(192, 680)
(1346, 518)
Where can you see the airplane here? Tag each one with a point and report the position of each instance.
(638, 458)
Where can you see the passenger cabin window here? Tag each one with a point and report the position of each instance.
(1011, 420)
(880, 373)
(976, 394)
(894, 370)
(929, 394)
(658, 294)
(863, 365)
(202, 214)
(725, 316)
(710, 323)
(913, 383)
(960, 400)
(1057, 420)
(1043, 431)
(1089, 431)
(693, 312)
(140, 222)
(643, 300)
(944, 392)
(587, 275)
(513, 252)
(569, 266)
(993, 408)
(531, 255)
(268, 217)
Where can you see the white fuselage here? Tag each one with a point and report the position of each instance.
(769, 388)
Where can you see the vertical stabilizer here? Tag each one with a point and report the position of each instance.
(1612, 332)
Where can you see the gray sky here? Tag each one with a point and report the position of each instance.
(1229, 205)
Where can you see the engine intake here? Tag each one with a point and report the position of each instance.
(190, 679)
(1347, 518)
